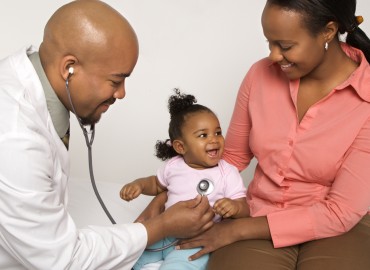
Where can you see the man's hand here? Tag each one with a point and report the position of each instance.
(182, 220)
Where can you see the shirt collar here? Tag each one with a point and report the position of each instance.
(360, 78)
(59, 114)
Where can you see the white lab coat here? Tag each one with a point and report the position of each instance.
(36, 231)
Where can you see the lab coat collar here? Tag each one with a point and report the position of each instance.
(59, 114)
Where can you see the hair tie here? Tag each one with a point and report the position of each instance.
(168, 142)
(358, 21)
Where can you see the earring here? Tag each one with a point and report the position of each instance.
(326, 46)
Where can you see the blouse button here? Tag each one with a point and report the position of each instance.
(280, 205)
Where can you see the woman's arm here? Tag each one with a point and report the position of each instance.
(154, 208)
(227, 232)
(237, 151)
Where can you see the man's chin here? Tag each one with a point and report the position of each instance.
(90, 120)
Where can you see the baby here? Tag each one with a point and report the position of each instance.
(193, 165)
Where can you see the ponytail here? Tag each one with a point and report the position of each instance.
(358, 39)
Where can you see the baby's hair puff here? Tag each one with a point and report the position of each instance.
(179, 105)
(179, 102)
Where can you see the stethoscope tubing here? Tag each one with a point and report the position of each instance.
(89, 142)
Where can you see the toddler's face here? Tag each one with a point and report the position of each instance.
(203, 140)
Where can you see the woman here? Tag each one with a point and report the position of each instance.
(304, 114)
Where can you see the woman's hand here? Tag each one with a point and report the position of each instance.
(219, 235)
(227, 232)
(154, 208)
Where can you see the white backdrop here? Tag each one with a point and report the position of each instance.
(203, 47)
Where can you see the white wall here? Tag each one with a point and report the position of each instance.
(201, 46)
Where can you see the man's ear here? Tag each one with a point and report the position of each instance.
(67, 62)
(179, 147)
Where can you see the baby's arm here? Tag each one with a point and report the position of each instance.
(145, 185)
(228, 208)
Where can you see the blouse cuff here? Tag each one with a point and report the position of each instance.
(290, 227)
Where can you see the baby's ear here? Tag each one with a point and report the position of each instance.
(178, 146)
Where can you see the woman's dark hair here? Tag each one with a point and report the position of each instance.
(180, 106)
(317, 13)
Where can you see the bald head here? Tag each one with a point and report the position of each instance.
(84, 27)
(98, 42)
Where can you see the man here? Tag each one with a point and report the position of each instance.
(36, 231)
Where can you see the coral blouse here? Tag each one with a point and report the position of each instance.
(312, 179)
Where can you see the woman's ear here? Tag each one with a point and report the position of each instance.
(68, 62)
(330, 31)
(179, 147)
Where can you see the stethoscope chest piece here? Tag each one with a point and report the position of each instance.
(205, 187)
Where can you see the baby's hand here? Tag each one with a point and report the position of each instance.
(130, 191)
(226, 207)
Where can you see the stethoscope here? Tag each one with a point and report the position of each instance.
(204, 187)
(89, 142)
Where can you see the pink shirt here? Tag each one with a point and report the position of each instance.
(312, 179)
(181, 181)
